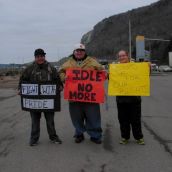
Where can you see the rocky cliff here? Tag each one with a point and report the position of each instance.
(112, 34)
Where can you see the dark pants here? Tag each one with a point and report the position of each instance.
(129, 115)
(86, 117)
(35, 131)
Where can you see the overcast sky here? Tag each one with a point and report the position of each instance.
(54, 25)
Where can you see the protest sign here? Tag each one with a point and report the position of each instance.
(129, 79)
(41, 97)
(84, 85)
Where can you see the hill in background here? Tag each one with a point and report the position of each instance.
(112, 34)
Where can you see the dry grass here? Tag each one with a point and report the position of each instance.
(9, 81)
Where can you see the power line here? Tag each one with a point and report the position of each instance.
(152, 39)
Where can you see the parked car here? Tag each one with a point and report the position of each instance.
(165, 68)
(154, 67)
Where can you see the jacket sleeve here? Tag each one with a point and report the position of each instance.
(25, 76)
(62, 72)
(56, 77)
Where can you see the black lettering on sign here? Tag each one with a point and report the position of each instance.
(38, 103)
(30, 103)
(45, 104)
(91, 76)
(84, 75)
(98, 76)
(29, 89)
(93, 96)
(83, 87)
(76, 77)
(72, 95)
(48, 89)
(82, 96)
(88, 87)
(87, 75)
(87, 96)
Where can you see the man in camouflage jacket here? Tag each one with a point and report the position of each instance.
(40, 71)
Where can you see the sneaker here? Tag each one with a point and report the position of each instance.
(79, 138)
(140, 142)
(33, 143)
(95, 140)
(56, 140)
(123, 141)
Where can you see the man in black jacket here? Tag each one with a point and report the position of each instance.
(40, 71)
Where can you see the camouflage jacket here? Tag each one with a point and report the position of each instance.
(40, 73)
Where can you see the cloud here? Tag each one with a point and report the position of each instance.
(54, 25)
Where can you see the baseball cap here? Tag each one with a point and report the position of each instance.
(39, 51)
(79, 46)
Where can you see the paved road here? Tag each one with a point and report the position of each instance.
(17, 156)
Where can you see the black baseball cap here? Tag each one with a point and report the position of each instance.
(39, 51)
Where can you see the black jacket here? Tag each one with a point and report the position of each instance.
(128, 99)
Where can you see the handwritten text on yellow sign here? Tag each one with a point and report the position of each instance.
(130, 79)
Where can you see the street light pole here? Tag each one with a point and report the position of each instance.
(129, 28)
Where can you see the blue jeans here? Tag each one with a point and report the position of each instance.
(35, 130)
(86, 117)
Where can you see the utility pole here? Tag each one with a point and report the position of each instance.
(129, 29)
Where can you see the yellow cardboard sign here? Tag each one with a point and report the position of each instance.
(129, 79)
